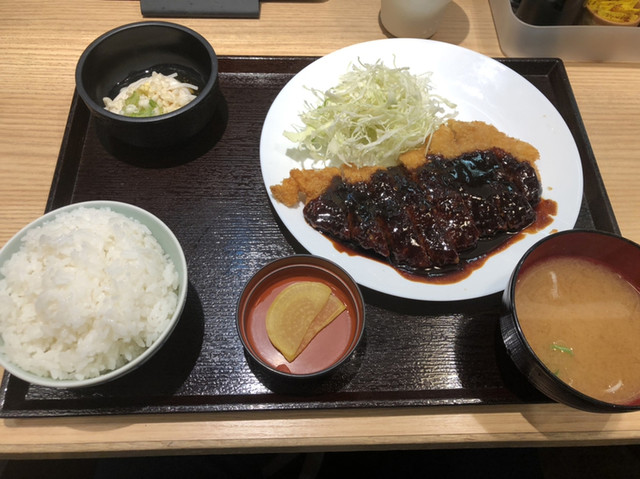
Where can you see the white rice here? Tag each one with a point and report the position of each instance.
(87, 292)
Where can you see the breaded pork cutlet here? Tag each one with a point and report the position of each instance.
(455, 138)
(449, 141)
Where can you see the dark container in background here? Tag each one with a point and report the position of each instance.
(549, 12)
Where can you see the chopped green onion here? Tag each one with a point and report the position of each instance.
(152, 109)
(562, 349)
(133, 99)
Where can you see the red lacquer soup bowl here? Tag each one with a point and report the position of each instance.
(571, 320)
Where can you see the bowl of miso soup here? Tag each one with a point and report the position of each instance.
(571, 319)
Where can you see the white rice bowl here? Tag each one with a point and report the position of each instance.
(88, 292)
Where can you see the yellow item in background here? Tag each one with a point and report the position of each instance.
(614, 12)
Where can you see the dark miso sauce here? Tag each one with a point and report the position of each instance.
(473, 259)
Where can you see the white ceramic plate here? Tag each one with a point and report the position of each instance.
(483, 89)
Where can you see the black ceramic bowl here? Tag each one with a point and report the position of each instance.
(131, 52)
(612, 251)
(331, 347)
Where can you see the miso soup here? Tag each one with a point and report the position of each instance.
(582, 320)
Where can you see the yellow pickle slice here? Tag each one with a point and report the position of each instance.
(298, 313)
(328, 313)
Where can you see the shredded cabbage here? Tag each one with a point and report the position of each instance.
(372, 116)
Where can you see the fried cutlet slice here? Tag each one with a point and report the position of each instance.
(287, 192)
(353, 174)
(455, 138)
(303, 185)
(458, 137)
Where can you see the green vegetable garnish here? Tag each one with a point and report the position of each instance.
(562, 349)
(371, 117)
(150, 109)
(133, 99)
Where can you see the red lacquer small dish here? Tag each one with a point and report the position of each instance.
(331, 347)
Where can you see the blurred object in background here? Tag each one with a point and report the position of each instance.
(549, 12)
(412, 18)
(613, 13)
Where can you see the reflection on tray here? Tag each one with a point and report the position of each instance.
(164, 157)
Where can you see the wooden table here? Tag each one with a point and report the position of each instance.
(40, 43)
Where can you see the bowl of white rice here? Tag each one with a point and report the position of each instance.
(149, 84)
(88, 293)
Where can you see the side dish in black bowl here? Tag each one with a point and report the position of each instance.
(159, 81)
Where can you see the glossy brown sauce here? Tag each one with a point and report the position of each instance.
(473, 259)
(438, 222)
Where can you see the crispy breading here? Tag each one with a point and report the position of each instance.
(457, 137)
(450, 140)
(412, 159)
(313, 183)
(353, 174)
(287, 192)
(303, 185)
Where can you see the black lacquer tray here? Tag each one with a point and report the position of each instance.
(212, 195)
